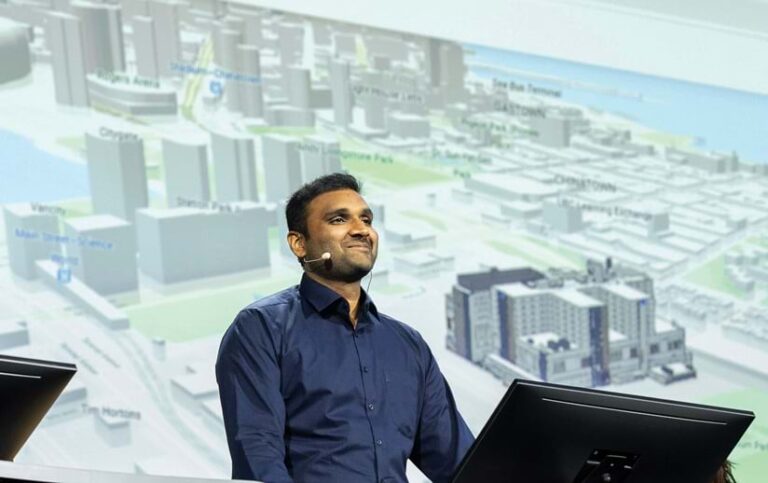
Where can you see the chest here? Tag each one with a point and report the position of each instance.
(333, 368)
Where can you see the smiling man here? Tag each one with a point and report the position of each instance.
(316, 384)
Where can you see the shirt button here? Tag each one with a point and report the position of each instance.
(371, 406)
(379, 442)
(365, 368)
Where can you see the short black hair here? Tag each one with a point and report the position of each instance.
(296, 209)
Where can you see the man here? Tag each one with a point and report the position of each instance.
(316, 385)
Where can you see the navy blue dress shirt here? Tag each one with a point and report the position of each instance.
(308, 398)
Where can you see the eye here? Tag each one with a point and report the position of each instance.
(368, 221)
(337, 219)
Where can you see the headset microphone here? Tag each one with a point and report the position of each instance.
(324, 256)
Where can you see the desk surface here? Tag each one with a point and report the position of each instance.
(50, 474)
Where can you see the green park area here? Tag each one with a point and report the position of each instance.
(393, 174)
(712, 275)
(758, 241)
(536, 253)
(391, 289)
(76, 208)
(431, 220)
(395, 170)
(76, 144)
(666, 139)
(198, 314)
(295, 131)
(154, 162)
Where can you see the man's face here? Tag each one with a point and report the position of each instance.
(340, 223)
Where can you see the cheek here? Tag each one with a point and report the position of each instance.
(327, 234)
(333, 238)
(376, 245)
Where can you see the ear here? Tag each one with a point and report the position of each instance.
(296, 244)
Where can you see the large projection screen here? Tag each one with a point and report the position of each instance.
(542, 217)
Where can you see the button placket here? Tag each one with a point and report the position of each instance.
(362, 342)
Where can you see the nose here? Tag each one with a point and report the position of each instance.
(359, 228)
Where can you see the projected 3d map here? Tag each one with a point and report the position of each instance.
(539, 218)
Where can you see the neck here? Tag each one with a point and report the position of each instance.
(350, 291)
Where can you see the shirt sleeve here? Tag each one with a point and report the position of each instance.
(248, 374)
(443, 437)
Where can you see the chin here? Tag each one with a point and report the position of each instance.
(354, 273)
(366, 267)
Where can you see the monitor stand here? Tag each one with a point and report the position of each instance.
(604, 466)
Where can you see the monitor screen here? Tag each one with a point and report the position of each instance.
(28, 388)
(559, 434)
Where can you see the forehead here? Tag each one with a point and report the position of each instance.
(332, 201)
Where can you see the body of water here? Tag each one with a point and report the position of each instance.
(28, 173)
(720, 119)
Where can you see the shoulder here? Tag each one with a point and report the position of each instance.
(270, 309)
(275, 301)
(263, 319)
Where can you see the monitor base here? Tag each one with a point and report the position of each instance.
(605, 466)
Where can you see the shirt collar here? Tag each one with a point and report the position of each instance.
(322, 297)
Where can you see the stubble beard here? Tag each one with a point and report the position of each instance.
(345, 270)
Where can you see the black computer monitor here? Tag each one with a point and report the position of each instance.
(28, 388)
(551, 433)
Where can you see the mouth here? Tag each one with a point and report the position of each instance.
(360, 246)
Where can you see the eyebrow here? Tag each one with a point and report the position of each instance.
(346, 212)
